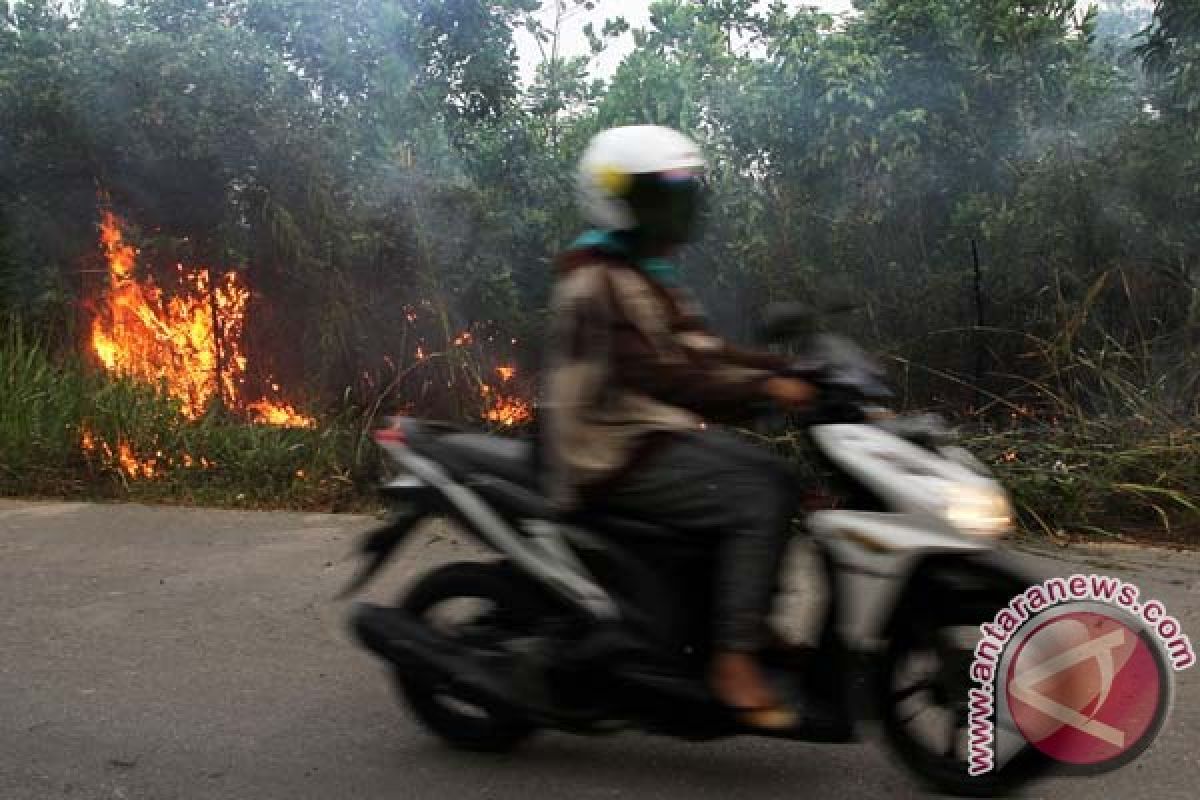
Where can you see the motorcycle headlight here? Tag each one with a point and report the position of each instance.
(979, 511)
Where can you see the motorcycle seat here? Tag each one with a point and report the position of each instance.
(924, 430)
(478, 453)
(525, 503)
(502, 470)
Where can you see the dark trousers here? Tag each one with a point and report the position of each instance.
(715, 485)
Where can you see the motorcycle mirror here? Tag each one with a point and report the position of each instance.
(790, 320)
(839, 306)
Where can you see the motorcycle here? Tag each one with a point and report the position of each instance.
(596, 623)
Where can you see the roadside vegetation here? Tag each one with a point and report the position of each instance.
(362, 201)
(67, 433)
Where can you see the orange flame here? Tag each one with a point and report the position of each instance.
(279, 414)
(189, 342)
(507, 410)
(124, 458)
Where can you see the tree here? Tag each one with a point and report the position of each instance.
(1171, 52)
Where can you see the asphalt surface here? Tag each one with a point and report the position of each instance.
(177, 653)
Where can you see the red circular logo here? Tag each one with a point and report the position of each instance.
(1085, 688)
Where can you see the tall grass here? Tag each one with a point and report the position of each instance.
(1111, 479)
(1115, 448)
(48, 410)
(1098, 437)
(1095, 434)
(41, 406)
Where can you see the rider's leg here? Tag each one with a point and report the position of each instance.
(747, 575)
(760, 493)
(713, 484)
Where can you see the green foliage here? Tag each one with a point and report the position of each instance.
(65, 432)
(1100, 478)
(358, 160)
(41, 409)
(1171, 51)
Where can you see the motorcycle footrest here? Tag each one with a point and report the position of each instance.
(678, 688)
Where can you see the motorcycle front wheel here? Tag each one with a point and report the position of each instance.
(924, 702)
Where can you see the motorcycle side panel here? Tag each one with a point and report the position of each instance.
(876, 555)
(906, 477)
(530, 556)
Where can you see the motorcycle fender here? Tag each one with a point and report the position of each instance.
(950, 577)
(378, 546)
(409, 489)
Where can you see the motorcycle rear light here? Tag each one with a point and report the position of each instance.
(389, 436)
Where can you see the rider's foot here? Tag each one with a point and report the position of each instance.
(738, 681)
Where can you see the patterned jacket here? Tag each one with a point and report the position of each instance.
(629, 361)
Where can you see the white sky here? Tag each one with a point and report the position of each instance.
(635, 12)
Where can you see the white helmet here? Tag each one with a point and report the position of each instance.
(622, 173)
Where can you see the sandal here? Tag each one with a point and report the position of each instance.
(760, 710)
(769, 719)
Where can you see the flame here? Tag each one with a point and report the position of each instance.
(509, 411)
(505, 409)
(134, 467)
(124, 458)
(171, 341)
(500, 400)
(279, 414)
(188, 342)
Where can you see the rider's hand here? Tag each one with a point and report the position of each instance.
(791, 392)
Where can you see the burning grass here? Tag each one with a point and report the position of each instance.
(67, 432)
(188, 341)
(170, 415)
(1100, 445)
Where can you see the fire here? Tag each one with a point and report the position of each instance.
(505, 409)
(188, 342)
(125, 460)
(279, 414)
(509, 411)
(124, 457)
(203, 462)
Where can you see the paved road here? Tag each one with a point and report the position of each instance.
(174, 653)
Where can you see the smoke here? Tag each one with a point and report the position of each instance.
(374, 173)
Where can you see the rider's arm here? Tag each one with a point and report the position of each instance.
(688, 370)
(754, 359)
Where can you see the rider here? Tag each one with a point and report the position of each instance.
(634, 376)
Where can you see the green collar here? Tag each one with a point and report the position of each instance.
(660, 269)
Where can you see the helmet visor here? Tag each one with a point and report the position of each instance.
(667, 205)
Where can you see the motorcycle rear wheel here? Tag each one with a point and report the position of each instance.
(507, 601)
